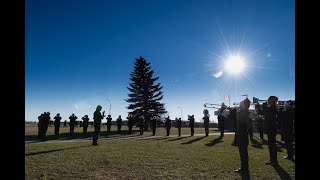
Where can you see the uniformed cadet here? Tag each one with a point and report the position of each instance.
(259, 120)
(221, 119)
(243, 140)
(130, 122)
(270, 123)
(288, 121)
(72, 123)
(206, 121)
(179, 124)
(168, 125)
(85, 124)
(97, 118)
(41, 124)
(141, 125)
(65, 123)
(109, 123)
(57, 120)
(233, 117)
(119, 124)
(191, 124)
(280, 122)
(154, 126)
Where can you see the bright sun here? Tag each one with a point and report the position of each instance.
(234, 64)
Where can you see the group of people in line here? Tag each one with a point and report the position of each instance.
(241, 116)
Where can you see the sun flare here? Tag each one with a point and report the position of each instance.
(234, 65)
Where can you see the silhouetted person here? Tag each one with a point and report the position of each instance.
(191, 124)
(97, 118)
(168, 125)
(40, 125)
(233, 117)
(85, 124)
(72, 123)
(288, 121)
(80, 123)
(270, 113)
(179, 124)
(46, 122)
(206, 121)
(130, 123)
(109, 123)
(259, 120)
(221, 119)
(154, 126)
(57, 120)
(65, 123)
(260, 126)
(141, 125)
(243, 140)
(119, 124)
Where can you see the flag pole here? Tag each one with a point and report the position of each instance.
(229, 100)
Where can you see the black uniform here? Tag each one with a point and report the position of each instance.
(109, 124)
(40, 125)
(85, 125)
(130, 123)
(270, 123)
(97, 117)
(288, 120)
(119, 123)
(141, 125)
(65, 123)
(233, 117)
(168, 125)
(221, 119)
(243, 140)
(280, 122)
(191, 124)
(260, 126)
(206, 124)
(179, 124)
(72, 123)
(57, 124)
(154, 126)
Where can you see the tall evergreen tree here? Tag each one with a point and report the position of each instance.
(145, 94)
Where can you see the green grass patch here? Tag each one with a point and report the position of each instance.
(195, 157)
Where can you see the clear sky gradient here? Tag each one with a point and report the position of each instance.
(80, 53)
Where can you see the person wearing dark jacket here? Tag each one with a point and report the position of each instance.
(191, 124)
(109, 123)
(85, 124)
(72, 123)
(97, 118)
(168, 125)
(57, 120)
(206, 121)
(154, 126)
(119, 124)
(179, 124)
(270, 111)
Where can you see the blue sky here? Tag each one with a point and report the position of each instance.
(80, 53)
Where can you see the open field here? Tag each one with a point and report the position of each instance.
(32, 131)
(197, 157)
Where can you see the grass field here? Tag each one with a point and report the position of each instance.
(195, 157)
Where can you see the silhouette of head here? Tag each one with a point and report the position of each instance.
(72, 114)
(85, 115)
(98, 108)
(272, 100)
(109, 115)
(58, 114)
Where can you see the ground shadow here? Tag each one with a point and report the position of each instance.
(280, 146)
(256, 144)
(78, 135)
(282, 173)
(55, 150)
(215, 141)
(176, 139)
(194, 140)
(154, 138)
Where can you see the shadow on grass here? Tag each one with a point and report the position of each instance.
(77, 135)
(154, 138)
(194, 140)
(256, 144)
(215, 141)
(282, 145)
(55, 150)
(176, 139)
(282, 173)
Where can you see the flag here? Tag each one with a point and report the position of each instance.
(226, 97)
